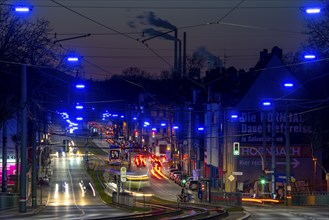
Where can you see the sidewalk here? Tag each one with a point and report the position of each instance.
(14, 213)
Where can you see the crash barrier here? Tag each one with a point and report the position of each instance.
(312, 199)
(8, 200)
(233, 199)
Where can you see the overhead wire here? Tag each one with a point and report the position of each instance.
(219, 21)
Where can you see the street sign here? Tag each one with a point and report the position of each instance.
(237, 173)
(123, 174)
(269, 171)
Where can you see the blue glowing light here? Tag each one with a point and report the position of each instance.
(313, 10)
(266, 103)
(73, 59)
(234, 116)
(309, 56)
(289, 85)
(22, 9)
(80, 86)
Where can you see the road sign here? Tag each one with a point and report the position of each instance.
(123, 174)
(231, 178)
(294, 163)
(237, 173)
(283, 178)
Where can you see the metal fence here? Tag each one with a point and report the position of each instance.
(233, 199)
(8, 200)
(312, 199)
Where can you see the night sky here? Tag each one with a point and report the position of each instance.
(233, 30)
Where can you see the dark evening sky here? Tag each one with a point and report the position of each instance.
(233, 30)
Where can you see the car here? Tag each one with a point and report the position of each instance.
(174, 174)
(171, 171)
(192, 184)
(178, 178)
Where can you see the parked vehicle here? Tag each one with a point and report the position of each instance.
(178, 178)
(192, 185)
(173, 174)
(172, 171)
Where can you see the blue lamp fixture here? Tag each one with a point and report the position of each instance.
(22, 9)
(309, 56)
(267, 103)
(80, 86)
(314, 10)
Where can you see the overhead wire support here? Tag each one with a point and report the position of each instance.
(72, 38)
(159, 35)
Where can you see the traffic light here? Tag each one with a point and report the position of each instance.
(236, 148)
(183, 181)
(262, 180)
(203, 187)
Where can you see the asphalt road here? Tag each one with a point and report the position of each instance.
(71, 194)
(267, 212)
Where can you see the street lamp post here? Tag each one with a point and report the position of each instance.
(22, 197)
(273, 153)
(287, 134)
(273, 147)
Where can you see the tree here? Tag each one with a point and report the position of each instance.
(22, 41)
